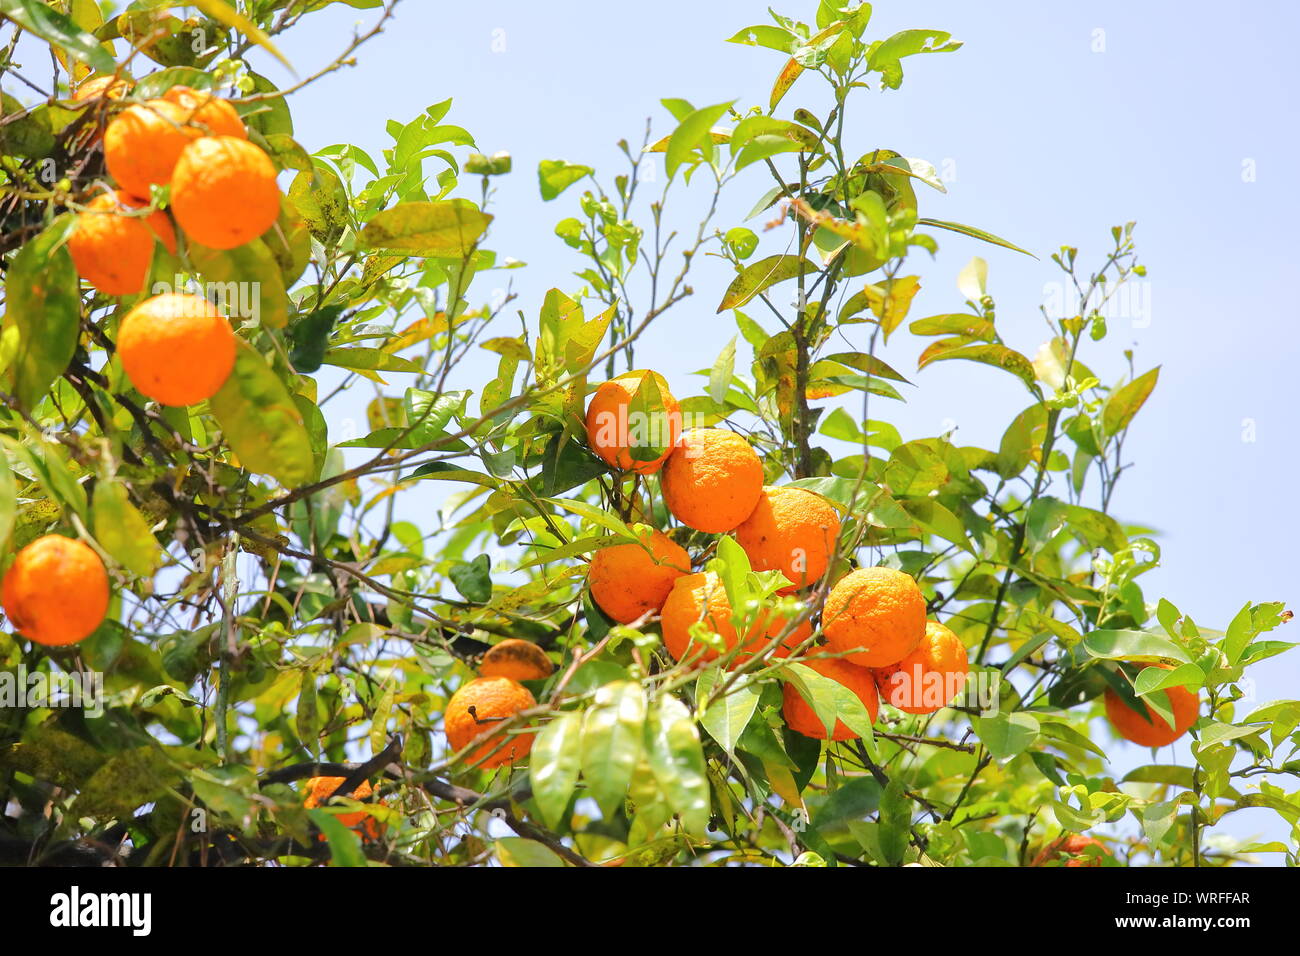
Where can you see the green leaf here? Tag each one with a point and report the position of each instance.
(473, 579)
(309, 338)
(766, 35)
(428, 413)
(125, 782)
(1059, 730)
(854, 799)
(48, 753)
(724, 368)
(1262, 650)
(1006, 735)
(1096, 528)
(1158, 819)
(1217, 732)
(556, 758)
(1124, 402)
(345, 846)
(122, 531)
(321, 200)
(757, 137)
(864, 362)
(613, 737)
(8, 500)
(741, 241)
(306, 721)
(733, 567)
(999, 356)
(360, 358)
(974, 234)
(247, 266)
(565, 464)
(44, 308)
(895, 821)
(1152, 679)
(155, 694)
(517, 851)
(832, 702)
(260, 420)
(597, 516)
(762, 275)
(58, 30)
(448, 228)
(955, 323)
(692, 132)
(1161, 773)
(938, 520)
(1118, 645)
(725, 719)
(1240, 633)
(555, 176)
(886, 54)
(379, 718)
(677, 762)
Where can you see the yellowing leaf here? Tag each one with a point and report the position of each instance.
(262, 423)
(719, 134)
(762, 274)
(890, 303)
(122, 531)
(1124, 402)
(788, 75)
(449, 228)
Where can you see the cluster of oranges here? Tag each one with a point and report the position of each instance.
(873, 619)
(176, 349)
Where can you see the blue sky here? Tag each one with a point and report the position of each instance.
(1059, 121)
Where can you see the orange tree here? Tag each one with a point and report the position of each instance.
(233, 584)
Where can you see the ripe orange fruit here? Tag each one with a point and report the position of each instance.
(56, 591)
(929, 677)
(800, 715)
(213, 114)
(112, 249)
(712, 480)
(1074, 848)
(874, 616)
(110, 87)
(224, 192)
(516, 659)
(319, 790)
(96, 91)
(702, 597)
(1153, 731)
(627, 580)
(176, 349)
(613, 429)
(479, 705)
(143, 143)
(790, 530)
